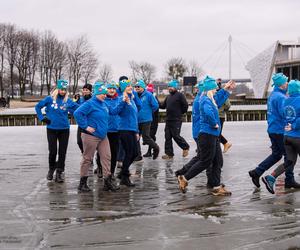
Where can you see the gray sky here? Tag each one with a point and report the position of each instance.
(156, 30)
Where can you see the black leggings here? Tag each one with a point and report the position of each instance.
(62, 136)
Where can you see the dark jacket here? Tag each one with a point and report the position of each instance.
(176, 106)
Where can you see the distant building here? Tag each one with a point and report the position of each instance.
(282, 56)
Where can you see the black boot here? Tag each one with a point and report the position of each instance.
(255, 177)
(50, 173)
(292, 184)
(59, 177)
(126, 181)
(155, 152)
(109, 185)
(83, 187)
(148, 154)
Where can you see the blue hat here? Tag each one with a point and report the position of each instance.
(200, 86)
(62, 84)
(209, 83)
(112, 85)
(279, 79)
(123, 84)
(99, 89)
(141, 84)
(294, 87)
(173, 84)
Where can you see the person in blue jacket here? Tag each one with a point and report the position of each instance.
(57, 108)
(276, 123)
(128, 129)
(209, 142)
(149, 105)
(195, 129)
(92, 117)
(291, 109)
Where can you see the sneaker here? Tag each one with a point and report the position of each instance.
(227, 146)
(269, 181)
(292, 184)
(185, 153)
(167, 157)
(255, 177)
(220, 191)
(59, 177)
(182, 182)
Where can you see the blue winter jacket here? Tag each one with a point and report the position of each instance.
(276, 117)
(113, 120)
(292, 114)
(209, 115)
(149, 105)
(93, 113)
(128, 114)
(56, 111)
(196, 116)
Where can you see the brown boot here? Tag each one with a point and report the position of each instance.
(183, 183)
(185, 153)
(220, 191)
(227, 146)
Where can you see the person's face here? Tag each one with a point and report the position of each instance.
(171, 89)
(62, 92)
(284, 86)
(86, 91)
(128, 89)
(101, 97)
(139, 89)
(111, 91)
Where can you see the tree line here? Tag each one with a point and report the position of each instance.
(31, 61)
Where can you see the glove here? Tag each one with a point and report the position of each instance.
(46, 120)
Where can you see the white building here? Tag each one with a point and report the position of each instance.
(282, 56)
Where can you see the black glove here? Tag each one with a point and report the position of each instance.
(46, 120)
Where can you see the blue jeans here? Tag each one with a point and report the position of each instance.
(277, 152)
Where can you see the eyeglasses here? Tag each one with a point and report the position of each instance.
(137, 87)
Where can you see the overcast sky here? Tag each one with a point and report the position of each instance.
(156, 30)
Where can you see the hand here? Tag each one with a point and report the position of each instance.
(288, 127)
(46, 120)
(137, 137)
(90, 129)
(217, 126)
(126, 98)
(230, 85)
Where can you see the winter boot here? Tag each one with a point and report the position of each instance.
(126, 181)
(50, 173)
(148, 154)
(155, 152)
(109, 185)
(255, 177)
(59, 177)
(83, 187)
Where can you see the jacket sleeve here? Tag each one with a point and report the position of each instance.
(209, 114)
(184, 104)
(81, 115)
(137, 100)
(296, 124)
(220, 97)
(72, 106)
(118, 108)
(153, 102)
(41, 104)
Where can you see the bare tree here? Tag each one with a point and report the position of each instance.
(11, 49)
(194, 69)
(82, 61)
(105, 74)
(3, 29)
(142, 70)
(60, 61)
(176, 67)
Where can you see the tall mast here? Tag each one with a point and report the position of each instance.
(229, 41)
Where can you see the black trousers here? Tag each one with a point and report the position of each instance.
(79, 140)
(62, 137)
(210, 155)
(222, 138)
(129, 143)
(144, 129)
(113, 138)
(292, 149)
(172, 131)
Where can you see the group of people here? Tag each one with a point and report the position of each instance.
(112, 118)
